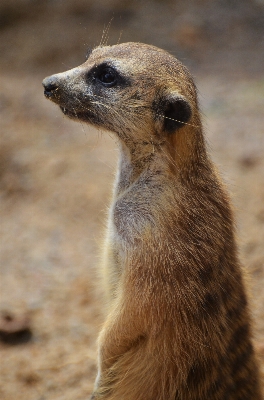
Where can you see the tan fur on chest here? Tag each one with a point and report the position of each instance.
(178, 325)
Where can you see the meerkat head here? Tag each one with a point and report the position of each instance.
(138, 91)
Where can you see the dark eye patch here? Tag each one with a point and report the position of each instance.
(107, 75)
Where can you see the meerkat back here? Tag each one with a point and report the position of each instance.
(178, 326)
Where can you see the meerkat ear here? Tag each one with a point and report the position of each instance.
(176, 111)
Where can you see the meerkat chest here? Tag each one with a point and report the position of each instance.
(136, 214)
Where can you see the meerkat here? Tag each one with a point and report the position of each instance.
(178, 326)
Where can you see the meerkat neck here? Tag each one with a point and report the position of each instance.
(182, 155)
(187, 152)
(134, 161)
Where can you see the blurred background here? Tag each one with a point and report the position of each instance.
(55, 174)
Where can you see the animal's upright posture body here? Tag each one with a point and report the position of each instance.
(178, 326)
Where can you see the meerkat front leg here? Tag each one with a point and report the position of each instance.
(111, 271)
(116, 339)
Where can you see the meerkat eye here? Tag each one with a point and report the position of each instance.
(107, 77)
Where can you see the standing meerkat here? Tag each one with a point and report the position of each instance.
(178, 326)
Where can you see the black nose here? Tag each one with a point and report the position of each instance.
(50, 86)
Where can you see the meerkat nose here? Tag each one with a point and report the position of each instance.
(50, 85)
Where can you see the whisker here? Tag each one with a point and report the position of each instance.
(119, 39)
(139, 106)
(176, 120)
(105, 36)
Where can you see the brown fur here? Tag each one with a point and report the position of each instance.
(178, 326)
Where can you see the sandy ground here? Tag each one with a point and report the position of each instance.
(55, 186)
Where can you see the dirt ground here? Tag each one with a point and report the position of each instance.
(56, 175)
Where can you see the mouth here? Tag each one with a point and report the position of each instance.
(69, 113)
(52, 95)
(74, 113)
(48, 94)
(85, 116)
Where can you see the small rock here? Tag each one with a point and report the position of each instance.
(14, 329)
(248, 161)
